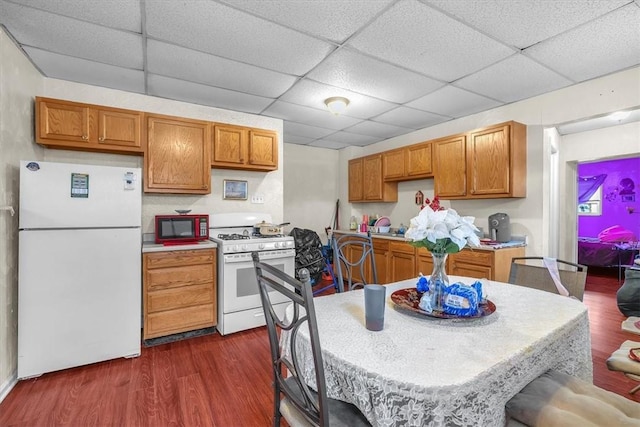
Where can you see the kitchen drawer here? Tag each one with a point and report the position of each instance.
(179, 276)
(179, 258)
(474, 257)
(402, 247)
(180, 320)
(380, 245)
(185, 296)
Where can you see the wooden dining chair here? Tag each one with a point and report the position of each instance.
(528, 271)
(293, 398)
(354, 263)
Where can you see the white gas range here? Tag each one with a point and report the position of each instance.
(239, 304)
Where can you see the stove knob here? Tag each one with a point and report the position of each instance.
(276, 245)
(234, 248)
(260, 245)
(245, 248)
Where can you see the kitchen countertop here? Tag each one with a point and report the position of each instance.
(156, 247)
(400, 238)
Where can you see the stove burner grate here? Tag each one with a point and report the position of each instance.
(234, 236)
(264, 236)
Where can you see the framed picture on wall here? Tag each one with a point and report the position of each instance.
(234, 190)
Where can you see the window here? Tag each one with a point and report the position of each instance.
(593, 206)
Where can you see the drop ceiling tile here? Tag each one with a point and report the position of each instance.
(600, 47)
(300, 129)
(223, 31)
(515, 78)
(410, 118)
(88, 72)
(525, 23)
(359, 73)
(332, 20)
(330, 145)
(311, 116)
(169, 60)
(453, 102)
(295, 139)
(120, 14)
(378, 130)
(181, 90)
(414, 35)
(349, 138)
(313, 94)
(67, 36)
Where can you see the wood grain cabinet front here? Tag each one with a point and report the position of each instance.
(366, 183)
(86, 127)
(487, 163)
(408, 163)
(236, 147)
(177, 157)
(492, 264)
(179, 291)
(402, 261)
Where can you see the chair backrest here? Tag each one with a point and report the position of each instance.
(527, 271)
(313, 406)
(354, 262)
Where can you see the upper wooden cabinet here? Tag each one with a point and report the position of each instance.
(356, 183)
(450, 167)
(77, 126)
(487, 163)
(497, 161)
(236, 147)
(407, 163)
(178, 155)
(366, 183)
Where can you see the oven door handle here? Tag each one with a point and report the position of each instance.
(266, 255)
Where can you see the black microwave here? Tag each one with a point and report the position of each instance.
(178, 229)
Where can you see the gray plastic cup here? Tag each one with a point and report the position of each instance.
(375, 298)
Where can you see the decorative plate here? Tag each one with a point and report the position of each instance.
(409, 299)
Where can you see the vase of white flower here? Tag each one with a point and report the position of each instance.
(438, 280)
(442, 232)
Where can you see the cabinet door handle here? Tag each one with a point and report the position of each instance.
(101, 139)
(85, 137)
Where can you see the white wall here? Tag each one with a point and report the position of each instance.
(310, 187)
(19, 83)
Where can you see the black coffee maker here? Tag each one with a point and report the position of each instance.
(499, 227)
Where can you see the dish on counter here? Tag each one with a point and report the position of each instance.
(409, 299)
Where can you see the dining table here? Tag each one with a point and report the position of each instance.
(421, 370)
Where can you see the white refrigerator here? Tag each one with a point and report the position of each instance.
(79, 277)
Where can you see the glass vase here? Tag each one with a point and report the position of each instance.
(438, 280)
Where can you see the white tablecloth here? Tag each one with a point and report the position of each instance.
(422, 371)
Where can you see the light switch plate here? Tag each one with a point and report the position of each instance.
(257, 198)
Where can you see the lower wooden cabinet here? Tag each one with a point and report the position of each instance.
(179, 291)
(398, 260)
(381, 255)
(402, 261)
(493, 264)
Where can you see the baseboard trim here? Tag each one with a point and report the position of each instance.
(8, 385)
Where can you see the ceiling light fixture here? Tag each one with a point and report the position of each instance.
(619, 115)
(336, 104)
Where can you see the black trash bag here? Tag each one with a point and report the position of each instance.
(308, 253)
(628, 296)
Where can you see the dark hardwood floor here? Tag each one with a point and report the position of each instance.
(226, 381)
